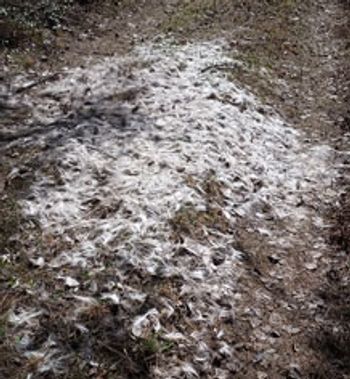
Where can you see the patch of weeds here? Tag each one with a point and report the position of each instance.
(154, 344)
(150, 345)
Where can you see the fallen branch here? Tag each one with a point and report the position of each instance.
(10, 137)
(36, 83)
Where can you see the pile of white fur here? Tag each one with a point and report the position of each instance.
(191, 121)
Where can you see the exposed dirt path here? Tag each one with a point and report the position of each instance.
(173, 220)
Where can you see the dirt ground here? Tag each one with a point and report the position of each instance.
(297, 61)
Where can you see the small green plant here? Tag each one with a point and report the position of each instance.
(155, 345)
(150, 345)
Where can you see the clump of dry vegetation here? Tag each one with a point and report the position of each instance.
(201, 223)
(198, 224)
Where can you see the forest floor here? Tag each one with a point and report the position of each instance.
(174, 183)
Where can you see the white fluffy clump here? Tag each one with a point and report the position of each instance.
(191, 122)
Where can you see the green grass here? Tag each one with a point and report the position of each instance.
(154, 344)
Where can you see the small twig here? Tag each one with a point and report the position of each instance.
(36, 83)
(219, 67)
(123, 356)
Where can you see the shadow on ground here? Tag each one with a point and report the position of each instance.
(332, 340)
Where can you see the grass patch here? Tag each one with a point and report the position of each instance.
(155, 345)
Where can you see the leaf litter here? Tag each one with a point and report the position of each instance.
(148, 195)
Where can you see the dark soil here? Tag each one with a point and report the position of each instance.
(333, 339)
